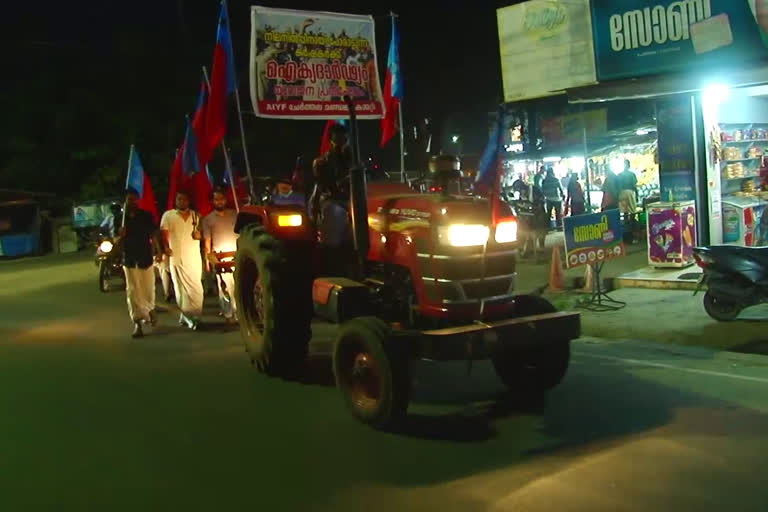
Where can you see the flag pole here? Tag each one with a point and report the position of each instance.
(127, 178)
(393, 16)
(227, 161)
(239, 108)
(402, 142)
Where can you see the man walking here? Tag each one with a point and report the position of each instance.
(138, 236)
(553, 193)
(181, 240)
(628, 201)
(219, 235)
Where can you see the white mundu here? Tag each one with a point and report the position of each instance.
(185, 262)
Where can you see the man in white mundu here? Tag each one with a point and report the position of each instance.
(181, 238)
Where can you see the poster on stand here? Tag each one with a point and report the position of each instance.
(593, 238)
(303, 63)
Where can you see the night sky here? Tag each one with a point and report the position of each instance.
(89, 78)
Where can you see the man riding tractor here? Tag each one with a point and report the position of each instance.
(433, 277)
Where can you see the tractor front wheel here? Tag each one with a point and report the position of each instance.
(274, 304)
(538, 369)
(372, 372)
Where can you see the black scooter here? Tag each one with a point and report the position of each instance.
(735, 277)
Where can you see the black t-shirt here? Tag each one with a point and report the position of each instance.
(137, 245)
(333, 173)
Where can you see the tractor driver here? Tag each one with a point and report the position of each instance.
(330, 198)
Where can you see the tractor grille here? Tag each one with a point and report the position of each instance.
(465, 276)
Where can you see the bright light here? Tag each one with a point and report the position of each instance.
(455, 139)
(514, 148)
(552, 159)
(285, 221)
(642, 132)
(443, 211)
(464, 235)
(506, 232)
(518, 167)
(715, 94)
(106, 246)
(617, 165)
(531, 167)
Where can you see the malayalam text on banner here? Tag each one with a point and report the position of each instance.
(303, 63)
(593, 238)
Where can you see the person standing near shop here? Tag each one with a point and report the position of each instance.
(553, 195)
(139, 238)
(538, 178)
(611, 191)
(575, 203)
(219, 235)
(181, 241)
(628, 201)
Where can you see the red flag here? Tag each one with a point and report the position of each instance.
(199, 125)
(393, 89)
(138, 180)
(325, 142)
(201, 192)
(177, 181)
(222, 83)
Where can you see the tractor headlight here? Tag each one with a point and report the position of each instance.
(289, 221)
(105, 246)
(506, 232)
(463, 235)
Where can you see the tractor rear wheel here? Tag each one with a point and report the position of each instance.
(538, 369)
(372, 372)
(274, 303)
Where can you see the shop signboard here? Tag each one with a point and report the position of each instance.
(593, 238)
(641, 37)
(546, 47)
(570, 128)
(303, 63)
(676, 149)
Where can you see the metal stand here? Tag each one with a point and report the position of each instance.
(600, 301)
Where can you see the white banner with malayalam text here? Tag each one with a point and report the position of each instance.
(303, 63)
(546, 47)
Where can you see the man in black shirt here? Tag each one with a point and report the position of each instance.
(139, 239)
(330, 199)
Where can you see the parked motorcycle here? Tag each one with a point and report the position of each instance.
(735, 277)
(109, 260)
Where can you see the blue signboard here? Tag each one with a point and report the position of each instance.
(593, 238)
(677, 153)
(641, 37)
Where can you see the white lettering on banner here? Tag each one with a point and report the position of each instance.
(656, 25)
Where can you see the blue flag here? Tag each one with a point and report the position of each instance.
(486, 171)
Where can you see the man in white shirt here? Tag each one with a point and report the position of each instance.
(219, 235)
(181, 240)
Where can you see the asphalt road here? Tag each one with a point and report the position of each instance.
(181, 421)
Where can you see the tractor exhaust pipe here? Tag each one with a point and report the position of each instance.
(358, 199)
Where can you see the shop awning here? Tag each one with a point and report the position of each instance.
(665, 85)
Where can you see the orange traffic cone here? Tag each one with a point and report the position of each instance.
(589, 280)
(556, 276)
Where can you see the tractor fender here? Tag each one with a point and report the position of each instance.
(247, 218)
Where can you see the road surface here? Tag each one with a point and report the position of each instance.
(181, 421)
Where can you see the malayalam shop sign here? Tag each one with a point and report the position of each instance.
(593, 238)
(641, 37)
(303, 63)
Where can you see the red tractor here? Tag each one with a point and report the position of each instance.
(433, 280)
